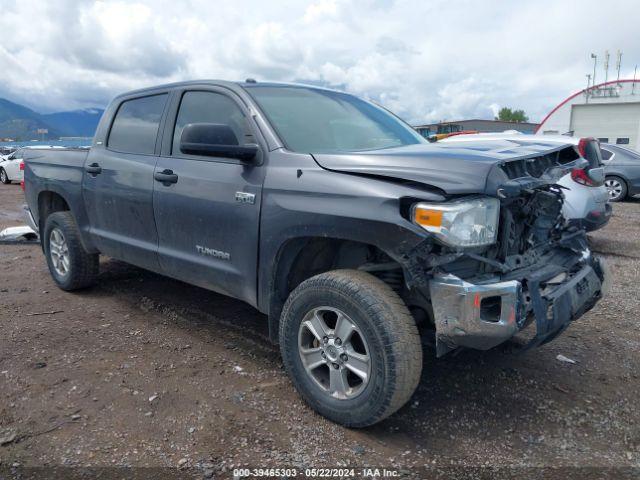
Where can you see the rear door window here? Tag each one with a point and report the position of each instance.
(135, 128)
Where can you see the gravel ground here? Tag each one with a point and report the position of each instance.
(145, 371)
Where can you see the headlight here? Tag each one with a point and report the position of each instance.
(471, 222)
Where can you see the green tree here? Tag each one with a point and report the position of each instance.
(507, 115)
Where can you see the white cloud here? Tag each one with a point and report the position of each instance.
(426, 61)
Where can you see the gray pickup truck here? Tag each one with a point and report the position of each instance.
(329, 214)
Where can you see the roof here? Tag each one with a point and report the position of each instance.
(213, 82)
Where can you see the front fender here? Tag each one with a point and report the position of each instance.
(303, 200)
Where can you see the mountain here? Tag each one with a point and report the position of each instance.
(80, 123)
(22, 123)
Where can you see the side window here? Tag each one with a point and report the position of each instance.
(135, 127)
(209, 107)
(606, 154)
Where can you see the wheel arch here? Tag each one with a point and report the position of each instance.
(50, 201)
(301, 258)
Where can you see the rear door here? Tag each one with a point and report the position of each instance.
(208, 220)
(118, 183)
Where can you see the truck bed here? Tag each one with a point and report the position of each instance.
(55, 170)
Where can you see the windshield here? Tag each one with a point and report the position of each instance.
(310, 120)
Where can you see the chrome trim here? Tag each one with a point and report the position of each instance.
(458, 315)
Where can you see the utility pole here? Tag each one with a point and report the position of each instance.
(619, 64)
(595, 64)
(606, 65)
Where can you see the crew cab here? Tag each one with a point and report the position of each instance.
(330, 215)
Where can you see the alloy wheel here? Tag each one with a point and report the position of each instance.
(614, 187)
(334, 352)
(59, 252)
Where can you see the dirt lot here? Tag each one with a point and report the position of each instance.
(145, 371)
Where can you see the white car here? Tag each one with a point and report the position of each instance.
(10, 167)
(586, 198)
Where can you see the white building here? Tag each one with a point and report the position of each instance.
(609, 111)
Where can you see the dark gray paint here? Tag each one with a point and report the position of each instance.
(123, 212)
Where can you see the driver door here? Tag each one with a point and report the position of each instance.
(207, 216)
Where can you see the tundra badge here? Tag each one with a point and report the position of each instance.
(213, 253)
(244, 197)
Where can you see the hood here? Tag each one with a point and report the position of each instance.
(452, 168)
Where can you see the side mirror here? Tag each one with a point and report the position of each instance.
(215, 140)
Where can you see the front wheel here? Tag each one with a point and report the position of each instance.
(4, 178)
(617, 188)
(350, 346)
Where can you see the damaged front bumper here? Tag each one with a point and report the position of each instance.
(484, 314)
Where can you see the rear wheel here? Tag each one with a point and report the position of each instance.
(4, 177)
(70, 265)
(350, 346)
(617, 188)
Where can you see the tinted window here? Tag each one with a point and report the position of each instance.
(311, 120)
(209, 107)
(604, 139)
(606, 154)
(622, 141)
(135, 127)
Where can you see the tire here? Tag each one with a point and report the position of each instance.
(383, 329)
(81, 268)
(617, 188)
(4, 178)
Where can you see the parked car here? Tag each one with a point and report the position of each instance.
(330, 215)
(5, 151)
(10, 167)
(586, 197)
(622, 171)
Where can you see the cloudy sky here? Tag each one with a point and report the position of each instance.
(425, 60)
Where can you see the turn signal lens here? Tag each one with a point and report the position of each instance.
(428, 218)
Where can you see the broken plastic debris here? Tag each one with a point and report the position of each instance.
(562, 358)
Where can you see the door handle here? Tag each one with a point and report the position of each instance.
(166, 177)
(93, 169)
